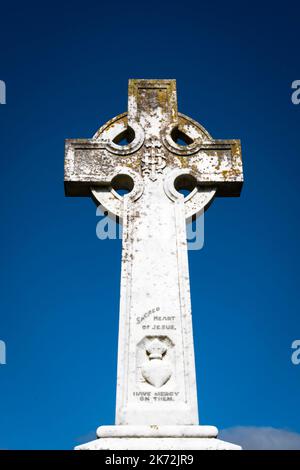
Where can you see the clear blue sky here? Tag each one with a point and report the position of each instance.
(66, 67)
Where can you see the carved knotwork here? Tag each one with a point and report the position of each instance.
(153, 159)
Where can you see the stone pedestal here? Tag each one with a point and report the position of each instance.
(155, 437)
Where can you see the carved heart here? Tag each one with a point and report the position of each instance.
(156, 372)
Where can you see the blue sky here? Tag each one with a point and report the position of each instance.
(66, 68)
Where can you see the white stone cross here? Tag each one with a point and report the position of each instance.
(164, 152)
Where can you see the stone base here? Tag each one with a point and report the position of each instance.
(157, 438)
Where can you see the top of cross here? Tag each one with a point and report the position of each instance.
(157, 139)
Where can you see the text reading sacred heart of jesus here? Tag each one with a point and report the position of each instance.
(164, 152)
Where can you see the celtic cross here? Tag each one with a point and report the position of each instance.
(154, 152)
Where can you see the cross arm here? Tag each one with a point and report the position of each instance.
(214, 163)
(219, 164)
(91, 163)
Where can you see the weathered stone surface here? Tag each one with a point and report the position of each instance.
(153, 123)
(158, 438)
(157, 431)
(156, 372)
(163, 443)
